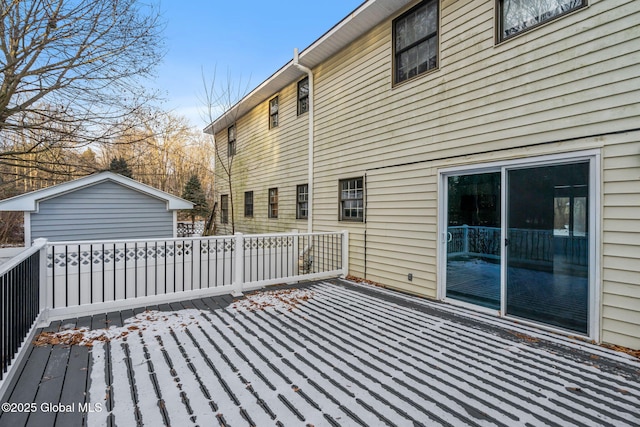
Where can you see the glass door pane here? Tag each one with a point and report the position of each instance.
(473, 239)
(548, 245)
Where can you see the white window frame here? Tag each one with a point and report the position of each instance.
(595, 300)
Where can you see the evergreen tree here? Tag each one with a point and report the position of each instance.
(120, 166)
(193, 192)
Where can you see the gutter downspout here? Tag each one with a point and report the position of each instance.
(311, 140)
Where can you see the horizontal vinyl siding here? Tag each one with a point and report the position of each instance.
(267, 158)
(504, 96)
(103, 211)
(568, 85)
(401, 228)
(621, 241)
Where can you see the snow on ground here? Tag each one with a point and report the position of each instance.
(284, 299)
(152, 320)
(335, 356)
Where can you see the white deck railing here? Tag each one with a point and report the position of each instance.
(58, 280)
(88, 277)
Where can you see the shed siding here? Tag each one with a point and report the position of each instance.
(571, 84)
(103, 211)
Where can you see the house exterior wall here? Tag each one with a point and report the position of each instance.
(106, 210)
(569, 85)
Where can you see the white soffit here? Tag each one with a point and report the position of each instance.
(355, 25)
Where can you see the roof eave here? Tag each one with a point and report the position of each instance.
(353, 26)
(28, 202)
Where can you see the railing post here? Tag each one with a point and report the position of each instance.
(295, 254)
(345, 253)
(43, 279)
(238, 280)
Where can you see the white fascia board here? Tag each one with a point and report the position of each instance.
(353, 26)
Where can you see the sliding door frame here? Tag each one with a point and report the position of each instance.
(595, 209)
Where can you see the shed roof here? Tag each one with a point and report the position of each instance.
(353, 26)
(28, 202)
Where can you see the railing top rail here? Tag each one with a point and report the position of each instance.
(182, 239)
(320, 233)
(7, 266)
(115, 241)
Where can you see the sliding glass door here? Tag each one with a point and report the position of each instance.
(473, 238)
(517, 240)
(548, 245)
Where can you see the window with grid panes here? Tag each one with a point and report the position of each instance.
(415, 35)
(302, 201)
(303, 96)
(273, 113)
(231, 141)
(351, 199)
(273, 203)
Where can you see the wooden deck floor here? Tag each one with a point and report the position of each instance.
(346, 355)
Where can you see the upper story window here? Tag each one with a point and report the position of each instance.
(302, 201)
(231, 141)
(303, 96)
(248, 203)
(516, 16)
(351, 199)
(415, 45)
(273, 113)
(273, 203)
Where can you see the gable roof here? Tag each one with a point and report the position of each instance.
(353, 26)
(28, 202)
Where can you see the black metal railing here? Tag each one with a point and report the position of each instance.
(20, 303)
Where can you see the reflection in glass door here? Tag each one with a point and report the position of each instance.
(548, 245)
(473, 239)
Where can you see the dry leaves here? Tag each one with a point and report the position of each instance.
(284, 299)
(525, 337)
(147, 320)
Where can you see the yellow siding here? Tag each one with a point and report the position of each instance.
(571, 84)
(621, 241)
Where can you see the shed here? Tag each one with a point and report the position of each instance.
(97, 207)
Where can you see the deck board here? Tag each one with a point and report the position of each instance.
(349, 355)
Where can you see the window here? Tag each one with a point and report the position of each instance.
(248, 203)
(303, 96)
(415, 35)
(351, 200)
(273, 203)
(273, 113)
(516, 16)
(224, 209)
(302, 201)
(231, 141)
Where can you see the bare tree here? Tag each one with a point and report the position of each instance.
(70, 72)
(164, 153)
(219, 99)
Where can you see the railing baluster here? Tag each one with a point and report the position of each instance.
(19, 302)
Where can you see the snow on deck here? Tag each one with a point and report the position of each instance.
(333, 355)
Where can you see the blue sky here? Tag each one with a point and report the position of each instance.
(250, 40)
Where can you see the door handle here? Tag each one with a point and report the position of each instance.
(449, 236)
